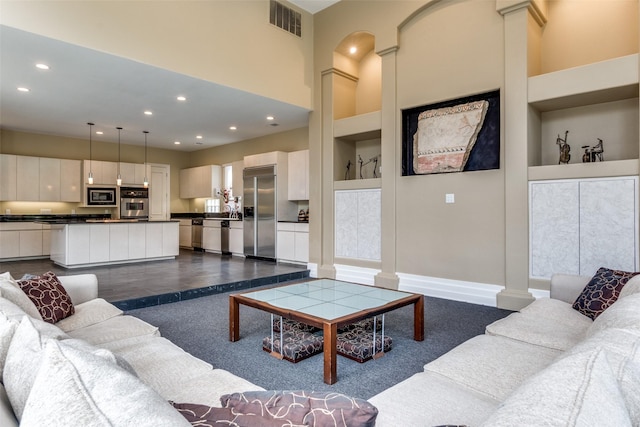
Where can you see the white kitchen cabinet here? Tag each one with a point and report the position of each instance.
(154, 240)
(238, 180)
(75, 247)
(28, 178)
(185, 233)
(170, 239)
(49, 182)
(70, 180)
(293, 242)
(9, 244)
(46, 239)
(8, 177)
(103, 172)
(236, 238)
(298, 165)
(579, 225)
(99, 239)
(136, 238)
(132, 173)
(118, 242)
(211, 236)
(23, 240)
(200, 181)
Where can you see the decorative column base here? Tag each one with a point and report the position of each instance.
(387, 280)
(513, 300)
(326, 272)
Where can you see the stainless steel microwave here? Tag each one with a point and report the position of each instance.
(101, 196)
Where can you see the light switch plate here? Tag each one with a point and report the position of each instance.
(449, 198)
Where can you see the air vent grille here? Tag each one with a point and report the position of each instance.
(286, 18)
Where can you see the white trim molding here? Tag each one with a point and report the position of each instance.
(350, 273)
(456, 290)
(313, 269)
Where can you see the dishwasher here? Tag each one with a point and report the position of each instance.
(196, 233)
(224, 237)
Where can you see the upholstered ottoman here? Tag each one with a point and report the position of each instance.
(357, 344)
(297, 345)
(366, 324)
(289, 325)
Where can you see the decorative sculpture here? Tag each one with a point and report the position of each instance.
(564, 149)
(373, 160)
(347, 175)
(593, 154)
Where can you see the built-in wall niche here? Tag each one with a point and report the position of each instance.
(357, 159)
(357, 81)
(615, 123)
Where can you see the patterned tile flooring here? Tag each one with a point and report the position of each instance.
(190, 275)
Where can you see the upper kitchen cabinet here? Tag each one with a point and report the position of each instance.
(26, 178)
(299, 175)
(103, 172)
(200, 181)
(132, 173)
(8, 176)
(237, 183)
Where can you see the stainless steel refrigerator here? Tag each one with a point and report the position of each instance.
(260, 217)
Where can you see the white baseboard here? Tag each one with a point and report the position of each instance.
(362, 275)
(313, 270)
(456, 290)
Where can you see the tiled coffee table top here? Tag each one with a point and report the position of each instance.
(326, 298)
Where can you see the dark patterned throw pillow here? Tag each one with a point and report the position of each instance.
(602, 290)
(318, 409)
(49, 296)
(208, 416)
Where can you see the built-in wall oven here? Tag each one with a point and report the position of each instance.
(134, 203)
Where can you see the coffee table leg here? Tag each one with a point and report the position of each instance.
(234, 319)
(418, 319)
(330, 354)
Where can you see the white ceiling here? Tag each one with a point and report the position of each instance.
(83, 85)
(313, 6)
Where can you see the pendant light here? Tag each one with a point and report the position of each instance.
(146, 183)
(119, 179)
(90, 180)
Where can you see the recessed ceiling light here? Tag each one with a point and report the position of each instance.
(232, 128)
(353, 50)
(148, 113)
(198, 136)
(99, 132)
(270, 117)
(42, 66)
(23, 89)
(181, 98)
(176, 142)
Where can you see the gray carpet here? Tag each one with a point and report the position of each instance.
(201, 327)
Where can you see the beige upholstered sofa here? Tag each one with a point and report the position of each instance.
(545, 365)
(165, 372)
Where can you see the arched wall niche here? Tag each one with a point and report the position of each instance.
(358, 81)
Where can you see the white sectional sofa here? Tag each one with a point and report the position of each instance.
(165, 371)
(545, 365)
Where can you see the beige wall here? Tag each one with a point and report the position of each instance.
(223, 41)
(445, 50)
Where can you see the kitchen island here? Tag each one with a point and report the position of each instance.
(85, 244)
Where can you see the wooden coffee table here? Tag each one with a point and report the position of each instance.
(329, 305)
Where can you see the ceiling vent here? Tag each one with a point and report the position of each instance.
(286, 18)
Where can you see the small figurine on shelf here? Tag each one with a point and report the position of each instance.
(593, 154)
(347, 173)
(564, 149)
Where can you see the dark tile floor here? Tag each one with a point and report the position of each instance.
(190, 275)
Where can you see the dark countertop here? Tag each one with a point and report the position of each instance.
(205, 215)
(53, 218)
(296, 222)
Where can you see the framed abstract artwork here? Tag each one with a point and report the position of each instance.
(458, 135)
